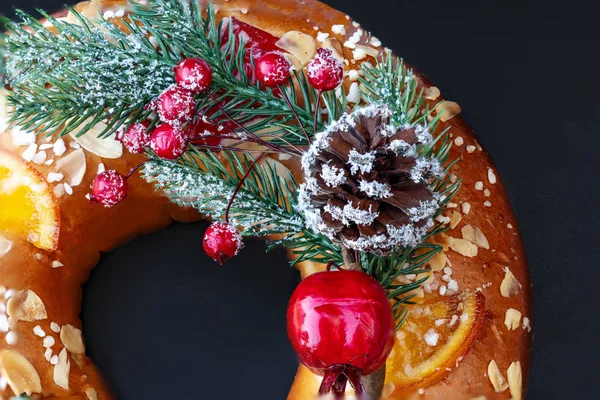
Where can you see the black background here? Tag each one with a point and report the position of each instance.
(161, 320)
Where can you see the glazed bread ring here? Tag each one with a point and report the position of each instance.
(478, 345)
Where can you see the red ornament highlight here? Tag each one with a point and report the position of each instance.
(341, 325)
(168, 142)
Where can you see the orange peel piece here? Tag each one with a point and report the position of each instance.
(28, 206)
(433, 339)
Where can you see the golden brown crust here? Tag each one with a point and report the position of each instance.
(100, 229)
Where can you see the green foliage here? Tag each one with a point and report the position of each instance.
(92, 71)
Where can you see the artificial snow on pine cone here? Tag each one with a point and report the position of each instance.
(366, 186)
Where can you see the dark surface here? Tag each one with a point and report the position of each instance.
(526, 74)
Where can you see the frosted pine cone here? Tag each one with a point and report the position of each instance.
(366, 186)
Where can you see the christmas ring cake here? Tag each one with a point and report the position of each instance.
(281, 119)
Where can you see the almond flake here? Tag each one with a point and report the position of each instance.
(431, 93)
(461, 246)
(72, 339)
(496, 377)
(5, 246)
(61, 370)
(91, 394)
(475, 236)
(438, 261)
(19, 373)
(491, 176)
(336, 48)
(447, 110)
(510, 285)
(102, 147)
(369, 51)
(455, 219)
(300, 45)
(515, 380)
(512, 319)
(26, 305)
(72, 167)
(466, 208)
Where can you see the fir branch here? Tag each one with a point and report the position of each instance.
(263, 207)
(92, 71)
(81, 75)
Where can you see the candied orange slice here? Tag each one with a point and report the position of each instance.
(434, 337)
(28, 207)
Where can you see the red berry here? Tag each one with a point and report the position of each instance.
(136, 139)
(176, 105)
(109, 188)
(193, 74)
(222, 241)
(272, 69)
(325, 72)
(168, 142)
(212, 131)
(341, 325)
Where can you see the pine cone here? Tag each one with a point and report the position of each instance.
(366, 186)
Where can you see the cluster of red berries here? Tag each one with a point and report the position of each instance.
(176, 107)
(324, 72)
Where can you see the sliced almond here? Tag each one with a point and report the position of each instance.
(335, 46)
(474, 235)
(512, 319)
(510, 285)
(26, 305)
(72, 339)
(370, 51)
(432, 93)
(496, 377)
(73, 167)
(447, 109)
(5, 246)
(455, 219)
(105, 148)
(19, 373)
(61, 370)
(91, 393)
(515, 380)
(296, 63)
(438, 261)
(462, 247)
(300, 45)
